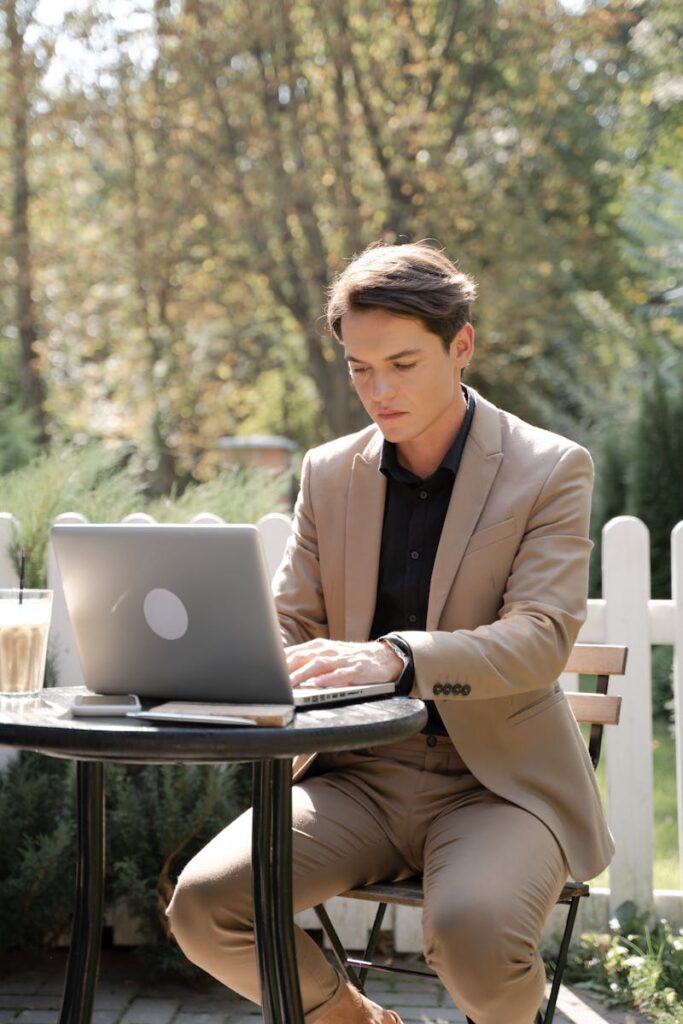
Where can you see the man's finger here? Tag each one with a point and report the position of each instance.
(338, 677)
(319, 666)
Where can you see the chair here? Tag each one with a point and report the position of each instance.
(596, 709)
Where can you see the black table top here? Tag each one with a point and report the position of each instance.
(46, 725)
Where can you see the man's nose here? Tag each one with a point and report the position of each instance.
(382, 386)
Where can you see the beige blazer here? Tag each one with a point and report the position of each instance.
(507, 598)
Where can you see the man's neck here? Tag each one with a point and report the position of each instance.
(423, 455)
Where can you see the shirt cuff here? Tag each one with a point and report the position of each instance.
(404, 683)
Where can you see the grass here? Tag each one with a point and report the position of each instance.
(667, 870)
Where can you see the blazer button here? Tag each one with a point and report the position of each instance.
(466, 690)
(447, 689)
(457, 689)
(437, 688)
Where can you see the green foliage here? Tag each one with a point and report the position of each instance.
(639, 442)
(103, 485)
(189, 213)
(653, 222)
(662, 682)
(635, 965)
(610, 498)
(657, 485)
(157, 818)
(639, 470)
(237, 495)
(37, 852)
(91, 481)
(18, 434)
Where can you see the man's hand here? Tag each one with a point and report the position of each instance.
(321, 663)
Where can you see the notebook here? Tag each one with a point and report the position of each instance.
(180, 613)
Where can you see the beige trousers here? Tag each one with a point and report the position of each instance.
(492, 873)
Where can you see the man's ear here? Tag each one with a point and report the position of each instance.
(462, 346)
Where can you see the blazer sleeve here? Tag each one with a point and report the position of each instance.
(297, 586)
(543, 606)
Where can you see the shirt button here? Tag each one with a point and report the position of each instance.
(424, 494)
(431, 741)
(414, 554)
(412, 618)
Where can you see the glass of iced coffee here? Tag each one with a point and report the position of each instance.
(24, 626)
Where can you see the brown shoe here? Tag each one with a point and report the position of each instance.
(352, 1007)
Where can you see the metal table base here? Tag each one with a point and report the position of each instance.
(47, 727)
(272, 882)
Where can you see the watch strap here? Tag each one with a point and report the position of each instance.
(404, 683)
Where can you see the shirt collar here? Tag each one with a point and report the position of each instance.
(390, 466)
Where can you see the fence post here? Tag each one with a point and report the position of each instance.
(677, 596)
(626, 576)
(275, 529)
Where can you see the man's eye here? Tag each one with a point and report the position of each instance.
(404, 366)
(356, 371)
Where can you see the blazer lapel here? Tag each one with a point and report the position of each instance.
(481, 458)
(364, 518)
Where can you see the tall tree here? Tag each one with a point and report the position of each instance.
(200, 188)
(17, 18)
(340, 123)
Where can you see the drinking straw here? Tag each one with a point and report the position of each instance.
(22, 574)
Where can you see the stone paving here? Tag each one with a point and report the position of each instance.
(31, 994)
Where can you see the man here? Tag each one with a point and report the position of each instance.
(445, 548)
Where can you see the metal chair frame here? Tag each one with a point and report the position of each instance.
(598, 660)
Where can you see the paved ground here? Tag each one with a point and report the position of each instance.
(30, 993)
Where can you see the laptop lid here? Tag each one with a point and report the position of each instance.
(181, 612)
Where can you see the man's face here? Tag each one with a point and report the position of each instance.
(408, 383)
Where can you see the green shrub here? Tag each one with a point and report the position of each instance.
(37, 850)
(639, 470)
(99, 483)
(157, 818)
(634, 965)
(662, 683)
(18, 433)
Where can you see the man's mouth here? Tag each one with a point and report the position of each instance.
(389, 414)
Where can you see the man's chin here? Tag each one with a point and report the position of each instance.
(394, 429)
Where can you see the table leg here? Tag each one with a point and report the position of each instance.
(86, 931)
(272, 873)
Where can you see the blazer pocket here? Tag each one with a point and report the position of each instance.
(536, 707)
(492, 534)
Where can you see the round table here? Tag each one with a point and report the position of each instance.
(46, 726)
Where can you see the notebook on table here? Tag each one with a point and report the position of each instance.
(181, 613)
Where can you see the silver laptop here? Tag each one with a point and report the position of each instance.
(179, 613)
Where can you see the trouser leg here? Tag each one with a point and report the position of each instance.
(492, 874)
(337, 842)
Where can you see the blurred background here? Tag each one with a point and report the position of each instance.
(180, 180)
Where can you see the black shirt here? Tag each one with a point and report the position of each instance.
(414, 514)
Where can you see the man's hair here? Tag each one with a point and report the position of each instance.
(414, 280)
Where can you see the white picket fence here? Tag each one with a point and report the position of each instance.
(626, 614)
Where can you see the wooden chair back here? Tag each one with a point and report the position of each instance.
(598, 708)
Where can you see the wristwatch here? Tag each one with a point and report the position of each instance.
(404, 683)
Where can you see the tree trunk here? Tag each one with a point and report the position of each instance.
(341, 408)
(32, 383)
